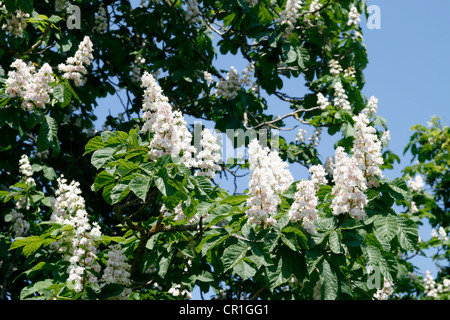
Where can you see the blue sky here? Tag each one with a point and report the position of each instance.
(408, 71)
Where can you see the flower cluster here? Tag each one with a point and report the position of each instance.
(15, 22)
(372, 106)
(385, 292)
(117, 270)
(136, 71)
(441, 233)
(33, 87)
(20, 225)
(61, 5)
(269, 178)
(69, 209)
(335, 67)
(305, 199)
(314, 7)
(349, 187)
(192, 12)
(101, 20)
(301, 135)
(315, 137)
(350, 72)
(367, 150)
(26, 170)
(208, 158)
(386, 137)
(290, 15)
(340, 100)
(416, 184)
(431, 290)
(322, 101)
(169, 129)
(74, 68)
(176, 292)
(229, 88)
(353, 16)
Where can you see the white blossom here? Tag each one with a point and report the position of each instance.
(15, 22)
(372, 106)
(69, 209)
(386, 137)
(413, 208)
(33, 87)
(367, 150)
(318, 176)
(315, 137)
(19, 223)
(430, 286)
(101, 20)
(209, 157)
(314, 7)
(385, 292)
(290, 14)
(26, 170)
(350, 72)
(335, 68)
(74, 68)
(353, 16)
(416, 184)
(193, 12)
(168, 127)
(349, 187)
(269, 177)
(322, 101)
(229, 88)
(176, 292)
(340, 97)
(117, 270)
(301, 135)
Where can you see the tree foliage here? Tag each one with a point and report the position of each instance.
(174, 228)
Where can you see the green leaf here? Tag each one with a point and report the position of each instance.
(103, 179)
(36, 287)
(164, 262)
(233, 254)
(205, 276)
(329, 279)
(407, 233)
(164, 184)
(334, 241)
(48, 136)
(119, 192)
(398, 189)
(385, 227)
(30, 244)
(110, 290)
(94, 144)
(244, 270)
(62, 95)
(102, 156)
(140, 185)
(372, 254)
(235, 200)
